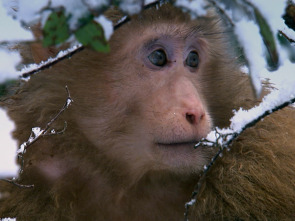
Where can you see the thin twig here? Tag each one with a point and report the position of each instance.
(12, 181)
(287, 37)
(37, 134)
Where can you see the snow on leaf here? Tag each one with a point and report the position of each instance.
(106, 25)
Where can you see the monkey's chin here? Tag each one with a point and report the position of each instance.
(182, 156)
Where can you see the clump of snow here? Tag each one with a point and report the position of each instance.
(9, 60)
(96, 4)
(248, 36)
(198, 8)
(190, 203)
(131, 6)
(8, 147)
(106, 24)
(36, 132)
(8, 219)
(146, 2)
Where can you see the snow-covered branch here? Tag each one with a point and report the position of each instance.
(241, 121)
(29, 70)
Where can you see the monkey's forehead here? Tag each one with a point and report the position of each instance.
(172, 17)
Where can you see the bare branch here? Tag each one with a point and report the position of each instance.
(287, 37)
(38, 133)
(12, 181)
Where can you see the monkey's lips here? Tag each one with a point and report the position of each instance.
(190, 144)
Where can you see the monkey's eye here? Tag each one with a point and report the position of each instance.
(158, 58)
(192, 59)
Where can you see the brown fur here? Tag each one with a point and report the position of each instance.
(102, 167)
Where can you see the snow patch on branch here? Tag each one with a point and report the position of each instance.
(284, 82)
(33, 67)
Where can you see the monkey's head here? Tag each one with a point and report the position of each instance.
(167, 80)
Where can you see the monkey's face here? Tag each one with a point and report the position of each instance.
(169, 68)
(163, 79)
(156, 111)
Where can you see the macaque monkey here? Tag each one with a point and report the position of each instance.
(128, 150)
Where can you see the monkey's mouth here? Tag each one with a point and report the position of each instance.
(178, 144)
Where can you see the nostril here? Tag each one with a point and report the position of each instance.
(190, 118)
(194, 117)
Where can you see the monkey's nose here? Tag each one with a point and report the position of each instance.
(194, 116)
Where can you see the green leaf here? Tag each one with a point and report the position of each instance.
(92, 35)
(56, 29)
(116, 2)
(268, 39)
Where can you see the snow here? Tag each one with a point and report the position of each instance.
(107, 26)
(33, 67)
(96, 4)
(196, 7)
(28, 10)
(9, 60)
(248, 35)
(10, 29)
(284, 81)
(146, 2)
(8, 219)
(8, 147)
(131, 6)
(271, 12)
